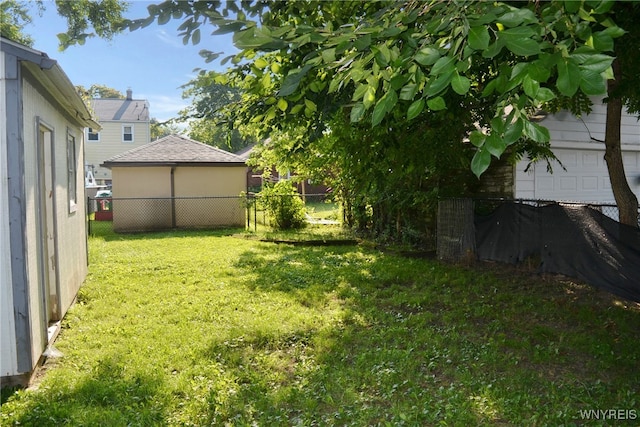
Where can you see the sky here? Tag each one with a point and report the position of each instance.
(153, 62)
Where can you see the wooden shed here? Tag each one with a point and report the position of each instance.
(43, 238)
(176, 182)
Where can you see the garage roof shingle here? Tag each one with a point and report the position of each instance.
(174, 149)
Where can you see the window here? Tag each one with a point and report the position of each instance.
(127, 133)
(93, 135)
(72, 172)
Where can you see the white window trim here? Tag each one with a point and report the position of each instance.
(72, 171)
(132, 134)
(93, 140)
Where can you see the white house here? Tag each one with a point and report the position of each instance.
(575, 142)
(43, 243)
(125, 126)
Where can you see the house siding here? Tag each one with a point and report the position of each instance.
(111, 144)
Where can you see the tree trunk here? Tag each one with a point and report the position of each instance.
(625, 198)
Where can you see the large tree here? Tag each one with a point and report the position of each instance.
(208, 117)
(301, 62)
(15, 16)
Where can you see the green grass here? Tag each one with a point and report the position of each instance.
(205, 328)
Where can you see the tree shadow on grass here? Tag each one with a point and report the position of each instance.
(107, 396)
(414, 343)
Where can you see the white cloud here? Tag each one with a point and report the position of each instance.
(163, 107)
(168, 39)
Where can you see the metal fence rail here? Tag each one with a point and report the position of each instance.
(163, 213)
(166, 213)
(608, 209)
(455, 223)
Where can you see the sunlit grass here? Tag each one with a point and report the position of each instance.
(203, 328)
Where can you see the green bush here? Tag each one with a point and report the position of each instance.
(284, 207)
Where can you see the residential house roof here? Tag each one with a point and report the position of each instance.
(245, 153)
(51, 76)
(118, 109)
(174, 150)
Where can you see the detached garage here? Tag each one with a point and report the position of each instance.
(176, 182)
(576, 143)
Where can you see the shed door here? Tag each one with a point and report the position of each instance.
(48, 261)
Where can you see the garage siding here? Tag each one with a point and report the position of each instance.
(582, 172)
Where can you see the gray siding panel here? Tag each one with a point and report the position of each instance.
(17, 213)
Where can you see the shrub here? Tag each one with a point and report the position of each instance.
(284, 207)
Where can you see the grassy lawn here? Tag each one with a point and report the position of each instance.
(201, 328)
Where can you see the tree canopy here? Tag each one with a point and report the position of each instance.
(392, 66)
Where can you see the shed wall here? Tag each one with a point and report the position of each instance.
(8, 353)
(70, 228)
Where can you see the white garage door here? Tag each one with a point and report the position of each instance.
(585, 179)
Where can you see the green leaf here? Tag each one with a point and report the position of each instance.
(383, 55)
(415, 109)
(329, 55)
(569, 77)
(614, 31)
(493, 49)
(538, 71)
(361, 89)
(593, 83)
(427, 56)
(593, 62)
(460, 84)
(164, 17)
(602, 42)
(292, 81)
(283, 104)
(545, 95)
(310, 105)
(384, 105)
(363, 42)
(436, 104)
(369, 97)
(517, 17)
(195, 37)
(480, 162)
(444, 65)
(495, 145)
(357, 112)
(438, 85)
(408, 92)
(477, 138)
(523, 47)
(517, 33)
(536, 132)
(531, 87)
(514, 131)
(260, 63)
(479, 38)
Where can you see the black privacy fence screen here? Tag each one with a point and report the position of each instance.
(583, 241)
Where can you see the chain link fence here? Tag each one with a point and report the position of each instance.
(455, 223)
(319, 209)
(166, 213)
